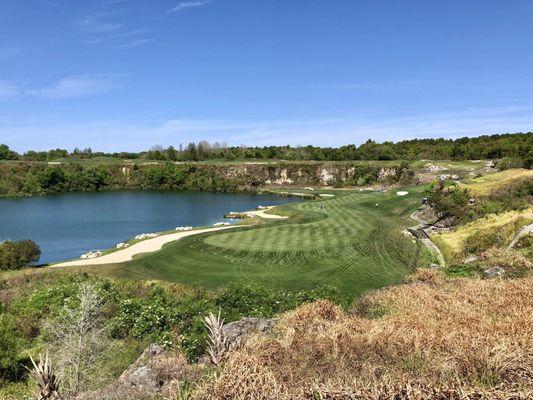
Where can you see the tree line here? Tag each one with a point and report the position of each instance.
(515, 145)
(21, 179)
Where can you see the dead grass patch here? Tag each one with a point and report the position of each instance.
(461, 339)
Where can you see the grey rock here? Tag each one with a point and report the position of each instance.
(470, 259)
(236, 332)
(140, 373)
(434, 266)
(494, 272)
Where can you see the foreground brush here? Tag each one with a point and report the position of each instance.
(46, 380)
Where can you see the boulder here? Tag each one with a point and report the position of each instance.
(493, 272)
(470, 259)
(238, 331)
(154, 373)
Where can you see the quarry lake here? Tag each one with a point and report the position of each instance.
(70, 224)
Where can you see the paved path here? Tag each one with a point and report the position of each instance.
(426, 240)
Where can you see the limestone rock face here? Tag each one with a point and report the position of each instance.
(283, 179)
(385, 173)
(325, 176)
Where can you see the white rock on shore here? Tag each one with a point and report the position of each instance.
(221, 224)
(184, 228)
(91, 254)
(145, 236)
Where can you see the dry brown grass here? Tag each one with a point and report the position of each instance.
(484, 185)
(433, 339)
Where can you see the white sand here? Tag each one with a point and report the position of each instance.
(262, 214)
(146, 246)
(402, 193)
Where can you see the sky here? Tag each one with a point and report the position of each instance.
(125, 75)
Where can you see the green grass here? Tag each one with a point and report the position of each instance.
(350, 243)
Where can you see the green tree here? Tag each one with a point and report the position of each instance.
(6, 153)
(15, 255)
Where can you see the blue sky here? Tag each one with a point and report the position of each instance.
(129, 74)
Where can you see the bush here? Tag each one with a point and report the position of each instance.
(15, 255)
(10, 346)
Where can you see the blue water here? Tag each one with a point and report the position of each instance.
(69, 224)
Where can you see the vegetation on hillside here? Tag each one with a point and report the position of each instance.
(112, 320)
(431, 339)
(490, 194)
(493, 230)
(20, 179)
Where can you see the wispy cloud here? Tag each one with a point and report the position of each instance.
(9, 89)
(133, 135)
(135, 32)
(188, 4)
(100, 23)
(372, 85)
(78, 86)
(134, 43)
(103, 29)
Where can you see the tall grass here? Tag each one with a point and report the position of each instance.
(430, 339)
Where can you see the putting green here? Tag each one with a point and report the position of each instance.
(344, 241)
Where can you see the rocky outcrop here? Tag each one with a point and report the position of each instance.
(493, 272)
(386, 174)
(325, 176)
(237, 332)
(156, 372)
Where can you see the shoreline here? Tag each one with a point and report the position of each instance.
(145, 246)
(155, 244)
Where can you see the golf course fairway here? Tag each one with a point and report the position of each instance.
(351, 240)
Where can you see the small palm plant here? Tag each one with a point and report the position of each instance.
(46, 380)
(217, 340)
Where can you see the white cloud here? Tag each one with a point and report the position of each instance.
(188, 4)
(45, 132)
(78, 86)
(9, 89)
(100, 23)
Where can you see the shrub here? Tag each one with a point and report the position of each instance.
(15, 255)
(10, 346)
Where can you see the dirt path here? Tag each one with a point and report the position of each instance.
(146, 246)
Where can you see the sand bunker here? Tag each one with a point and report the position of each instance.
(402, 193)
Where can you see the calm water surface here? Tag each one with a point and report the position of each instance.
(70, 224)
